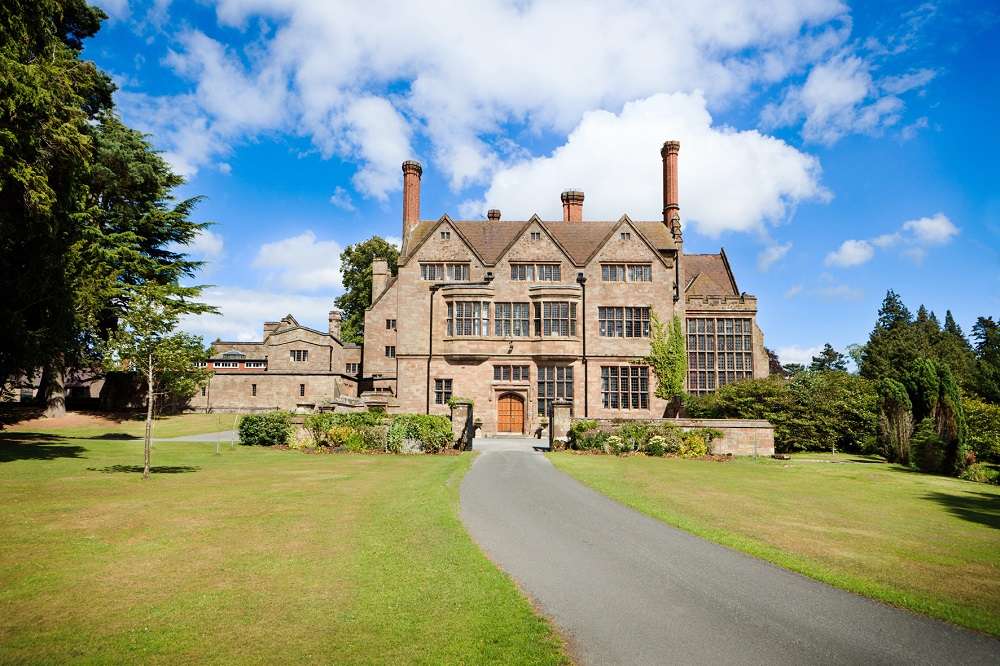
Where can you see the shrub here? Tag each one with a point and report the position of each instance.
(433, 432)
(983, 420)
(927, 450)
(636, 433)
(981, 473)
(265, 429)
(656, 445)
(358, 419)
(695, 445)
(338, 435)
(318, 426)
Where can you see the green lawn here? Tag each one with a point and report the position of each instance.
(927, 543)
(253, 555)
(133, 425)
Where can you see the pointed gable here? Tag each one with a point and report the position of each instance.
(709, 275)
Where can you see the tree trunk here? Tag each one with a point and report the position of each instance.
(54, 389)
(149, 417)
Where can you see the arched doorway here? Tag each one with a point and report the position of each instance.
(510, 413)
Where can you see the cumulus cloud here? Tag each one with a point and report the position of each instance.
(301, 262)
(850, 253)
(460, 74)
(341, 198)
(772, 255)
(793, 291)
(797, 354)
(243, 311)
(914, 239)
(206, 245)
(615, 159)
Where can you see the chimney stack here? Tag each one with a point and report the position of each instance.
(335, 319)
(270, 327)
(380, 277)
(671, 202)
(411, 197)
(493, 214)
(572, 201)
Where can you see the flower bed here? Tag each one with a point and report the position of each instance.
(641, 437)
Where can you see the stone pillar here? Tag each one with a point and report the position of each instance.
(380, 277)
(559, 424)
(461, 424)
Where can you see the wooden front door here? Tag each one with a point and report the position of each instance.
(510, 413)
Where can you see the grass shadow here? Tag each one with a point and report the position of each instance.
(113, 436)
(982, 508)
(36, 446)
(137, 469)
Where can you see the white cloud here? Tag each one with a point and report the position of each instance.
(910, 131)
(793, 291)
(224, 168)
(771, 255)
(457, 73)
(341, 198)
(913, 240)
(615, 159)
(115, 9)
(243, 312)
(934, 230)
(394, 240)
(840, 97)
(206, 245)
(301, 262)
(850, 253)
(797, 354)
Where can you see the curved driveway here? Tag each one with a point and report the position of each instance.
(627, 589)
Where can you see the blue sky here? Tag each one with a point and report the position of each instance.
(835, 150)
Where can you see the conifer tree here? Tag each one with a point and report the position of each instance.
(986, 379)
(829, 359)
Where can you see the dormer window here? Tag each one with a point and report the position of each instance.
(445, 235)
(232, 353)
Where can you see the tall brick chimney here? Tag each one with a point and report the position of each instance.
(572, 201)
(380, 277)
(334, 319)
(671, 202)
(411, 197)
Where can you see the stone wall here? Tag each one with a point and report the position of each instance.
(740, 437)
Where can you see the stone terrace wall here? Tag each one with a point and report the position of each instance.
(740, 437)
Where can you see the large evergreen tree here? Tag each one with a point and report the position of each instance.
(953, 349)
(893, 344)
(356, 268)
(986, 333)
(828, 359)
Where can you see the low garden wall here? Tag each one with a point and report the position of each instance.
(739, 437)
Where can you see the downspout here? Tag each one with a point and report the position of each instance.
(581, 280)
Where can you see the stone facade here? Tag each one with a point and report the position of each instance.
(516, 314)
(293, 367)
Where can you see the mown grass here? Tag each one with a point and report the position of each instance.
(131, 425)
(927, 543)
(251, 556)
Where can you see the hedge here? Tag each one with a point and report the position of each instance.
(265, 429)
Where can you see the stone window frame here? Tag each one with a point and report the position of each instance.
(390, 351)
(445, 235)
(352, 368)
(553, 382)
(255, 364)
(620, 271)
(540, 271)
(225, 364)
(441, 271)
(536, 235)
(302, 390)
(623, 321)
(625, 235)
(550, 320)
(511, 373)
(442, 390)
(468, 319)
(625, 387)
(512, 319)
(390, 324)
(253, 390)
(720, 351)
(298, 355)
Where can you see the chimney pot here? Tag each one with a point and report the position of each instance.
(335, 318)
(572, 201)
(411, 198)
(493, 214)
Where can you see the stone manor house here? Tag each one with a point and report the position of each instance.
(513, 315)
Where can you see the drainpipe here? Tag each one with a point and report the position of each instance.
(581, 280)
(488, 279)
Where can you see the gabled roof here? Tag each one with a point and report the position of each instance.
(579, 240)
(709, 275)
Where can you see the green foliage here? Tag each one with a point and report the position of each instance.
(927, 450)
(433, 431)
(895, 421)
(923, 387)
(359, 419)
(950, 423)
(455, 400)
(812, 411)
(667, 357)
(981, 473)
(828, 359)
(983, 426)
(356, 268)
(986, 380)
(268, 429)
(319, 426)
(651, 438)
